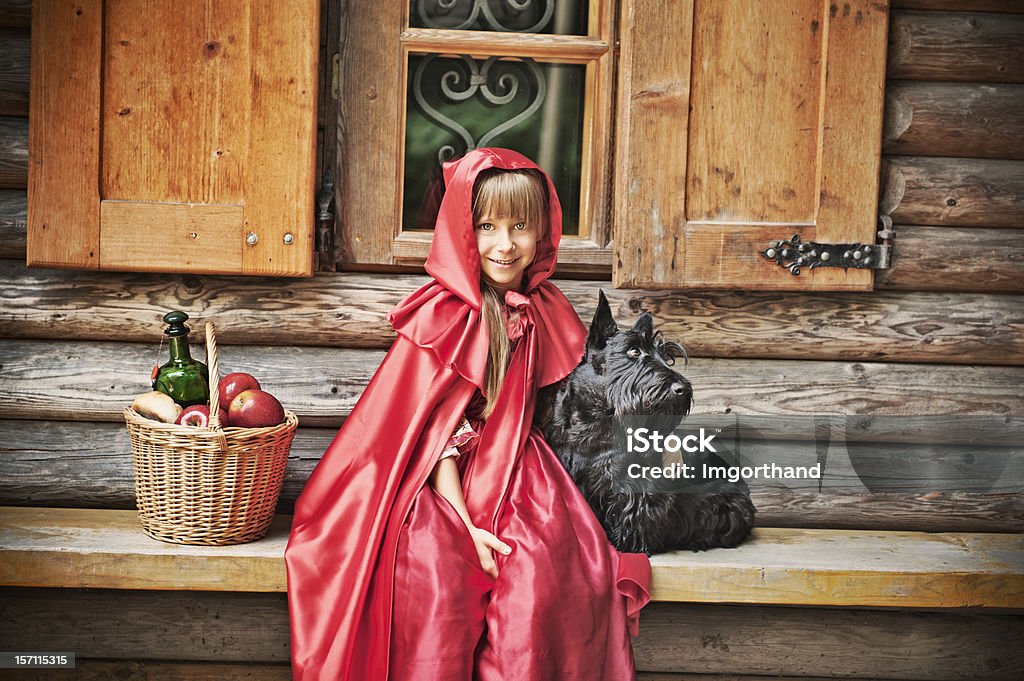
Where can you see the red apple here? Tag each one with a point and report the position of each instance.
(255, 409)
(198, 415)
(232, 384)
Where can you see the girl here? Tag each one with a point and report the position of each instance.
(440, 537)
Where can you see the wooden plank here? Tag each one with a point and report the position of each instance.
(742, 640)
(16, 13)
(281, 195)
(94, 381)
(67, 44)
(81, 464)
(732, 257)
(960, 46)
(102, 670)
(73, 548)
(107, 549)
(727, 641)
(182, 237)
(850, 568)
(961, 5)
(88, 465)
(956, 259)
(245, 628)
(13, 224)
(347, 309)
(565, 49)
(757, 81)
(177, 84)
(372, 97)
(13, 152)
(942, 119)
(853, 90)
(954, 191)
(654, 98)
(14, 72)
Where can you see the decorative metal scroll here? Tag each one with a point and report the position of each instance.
(446, 13)
(496, 81)
(795, 254)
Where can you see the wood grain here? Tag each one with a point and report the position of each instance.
(13, 223)
(75, 548)
(727, 641)
(370, 134)
(961, 5)
(94, 381)
(14, 72)
(956, 46)
(347, 309)
(176, 626)
(653, 115)
(102, 670)
(955, 119)
(955, 259)
(88, 465)
(742, 640)
(16, 13)
(63, 183)
(193, 237)
(958, 192)
(13, 152)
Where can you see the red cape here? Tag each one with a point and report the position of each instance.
(347, 520)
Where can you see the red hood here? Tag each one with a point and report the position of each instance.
(454, 232)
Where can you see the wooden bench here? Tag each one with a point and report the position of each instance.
(76, 548)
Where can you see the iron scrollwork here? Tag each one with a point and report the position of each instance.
(497, 81)
(442, 14)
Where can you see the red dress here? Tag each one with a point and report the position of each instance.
(384, 582)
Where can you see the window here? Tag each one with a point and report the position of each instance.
(722, 127)
(427, 81)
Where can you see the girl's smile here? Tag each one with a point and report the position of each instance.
(507, 246)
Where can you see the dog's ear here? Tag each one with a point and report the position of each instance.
(645, 325)
(603, 326)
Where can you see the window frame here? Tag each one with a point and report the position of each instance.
(376, 43)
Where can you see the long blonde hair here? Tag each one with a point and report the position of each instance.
(505, 193)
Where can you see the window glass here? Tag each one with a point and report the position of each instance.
(455, 104)
(567, 17)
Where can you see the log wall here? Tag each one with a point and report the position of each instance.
(942, 339)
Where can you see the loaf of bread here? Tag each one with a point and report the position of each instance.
(156, 405)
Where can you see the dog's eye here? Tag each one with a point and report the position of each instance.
(633, 352)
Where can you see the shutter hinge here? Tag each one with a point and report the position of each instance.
(325, 218)
(795, 254)
(336, 76)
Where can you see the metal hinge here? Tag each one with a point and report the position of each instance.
(795, 254)
(336, 76)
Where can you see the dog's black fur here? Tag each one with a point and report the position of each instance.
(628, 375)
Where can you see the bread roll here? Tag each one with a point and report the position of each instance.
(156, 405)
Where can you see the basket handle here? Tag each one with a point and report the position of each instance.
(214, 375)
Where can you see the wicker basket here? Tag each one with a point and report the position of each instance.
(211, 486)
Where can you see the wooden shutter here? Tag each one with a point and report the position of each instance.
(742, 123)
(165, 134)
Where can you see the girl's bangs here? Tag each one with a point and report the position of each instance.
(501, 194)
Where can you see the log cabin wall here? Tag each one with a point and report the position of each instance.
(943, 335)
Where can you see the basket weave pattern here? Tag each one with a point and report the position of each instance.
(214, 485)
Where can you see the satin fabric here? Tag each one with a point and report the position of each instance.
(351, 516)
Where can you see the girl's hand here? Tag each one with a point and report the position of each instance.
(485, 543)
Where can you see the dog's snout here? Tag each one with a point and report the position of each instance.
(678, 389)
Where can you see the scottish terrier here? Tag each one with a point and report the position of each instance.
(626, 381)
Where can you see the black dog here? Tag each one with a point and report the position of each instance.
(626, 381)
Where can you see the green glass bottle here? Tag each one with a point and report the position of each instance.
(186, 380)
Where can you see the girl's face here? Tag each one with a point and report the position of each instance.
(507, 246)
